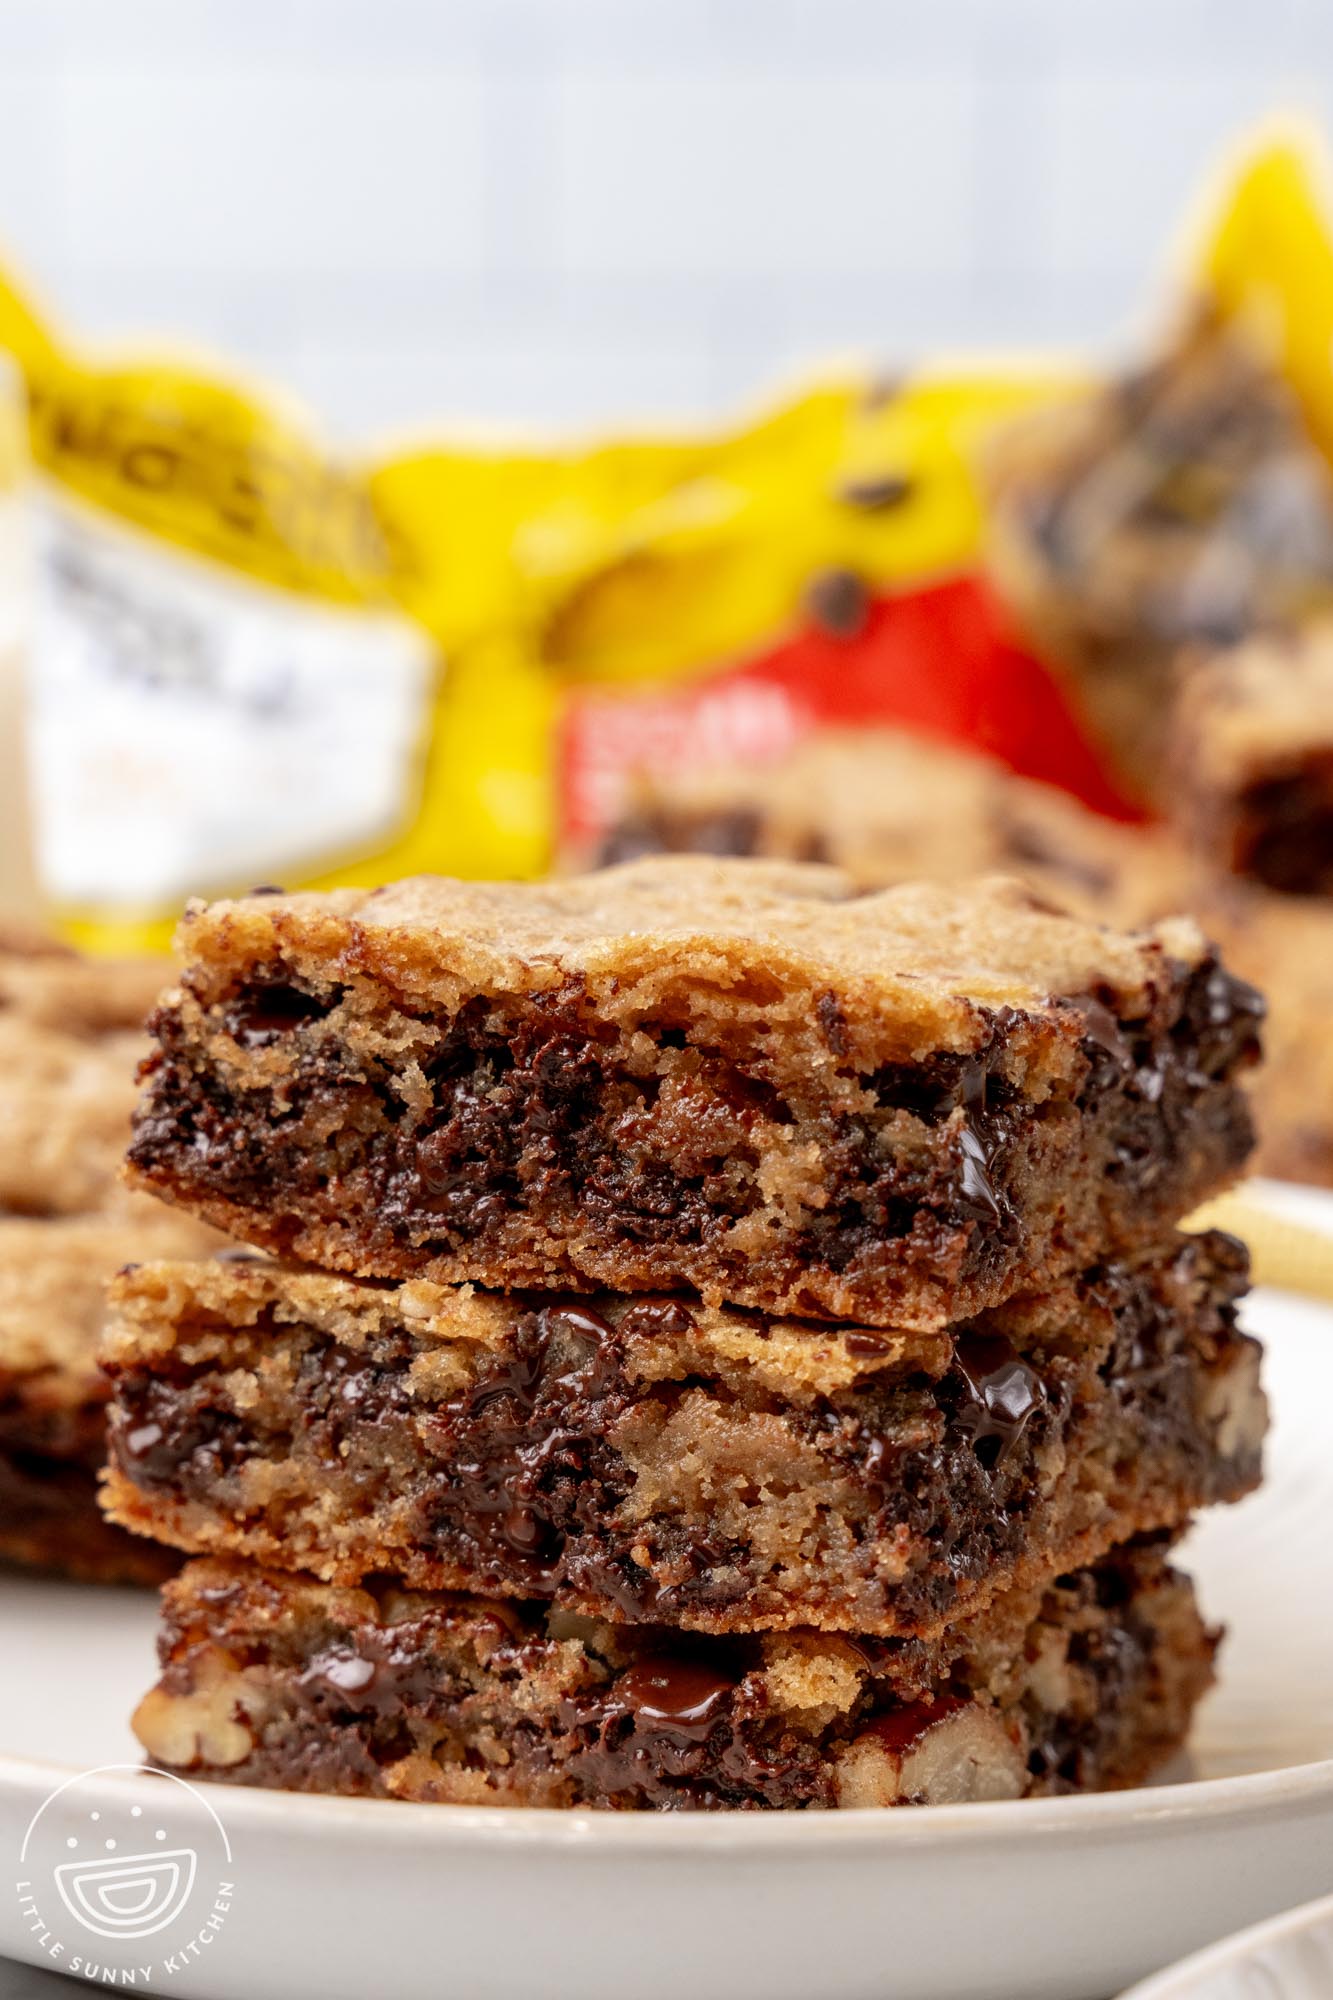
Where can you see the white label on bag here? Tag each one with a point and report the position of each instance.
(193, 731)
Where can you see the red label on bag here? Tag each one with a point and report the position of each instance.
(941, 660)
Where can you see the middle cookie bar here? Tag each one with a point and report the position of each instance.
(653, 1459)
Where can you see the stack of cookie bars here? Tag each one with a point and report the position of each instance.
(741, 1353)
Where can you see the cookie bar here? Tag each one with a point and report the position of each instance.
(49, 986)
(71, 1038)
(50, 1521)
(1186, 503)
(1287, 941)
(53, 1395)
(643, 1459)
(887, 806)
(65, 1109)
(280, 1681)
(1253, 758)
(740, 1077)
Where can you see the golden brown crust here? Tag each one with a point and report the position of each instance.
(910, 963)
(741, 1077)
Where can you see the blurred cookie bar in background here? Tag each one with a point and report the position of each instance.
(1184, 504)
(70, 1042)
(889, 806)
(1287, 941)
(1252, 758)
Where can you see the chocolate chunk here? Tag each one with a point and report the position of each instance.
(522, 1433)
(867, 1346)
(680, 1697)
(262, 1014)
(658, 1316)
(1108, 1046)
(1001, 1393)
(1223, 1015)
(977, 1195)
(142, 1439)
(381, 1675)
(899, 1730)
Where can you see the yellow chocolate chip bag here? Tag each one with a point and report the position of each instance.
(254, 661)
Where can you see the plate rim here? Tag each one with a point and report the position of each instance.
(1233, 1801)
(1178, 1981)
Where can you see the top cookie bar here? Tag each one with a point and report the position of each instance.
(740, 1076)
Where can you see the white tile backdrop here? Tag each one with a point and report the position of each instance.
(582, 212)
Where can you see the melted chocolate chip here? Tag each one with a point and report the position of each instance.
(977, 1194)
(663, 1317)
(261, 1014)
(519, 1443)
(1001, 1393)
(1102, 1027)
(379, 1673)
(670, 1732)
(181, 1439)
(1225, 1014)
(867, 1346)
(679, 1697)
(142, 1439)
(899, 1730)
(1106, 1044)
(976, 1191)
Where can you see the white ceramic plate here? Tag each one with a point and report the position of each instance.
(1288, 1958)
(1066, 1899)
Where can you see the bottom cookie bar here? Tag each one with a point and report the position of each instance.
(280, 1681)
